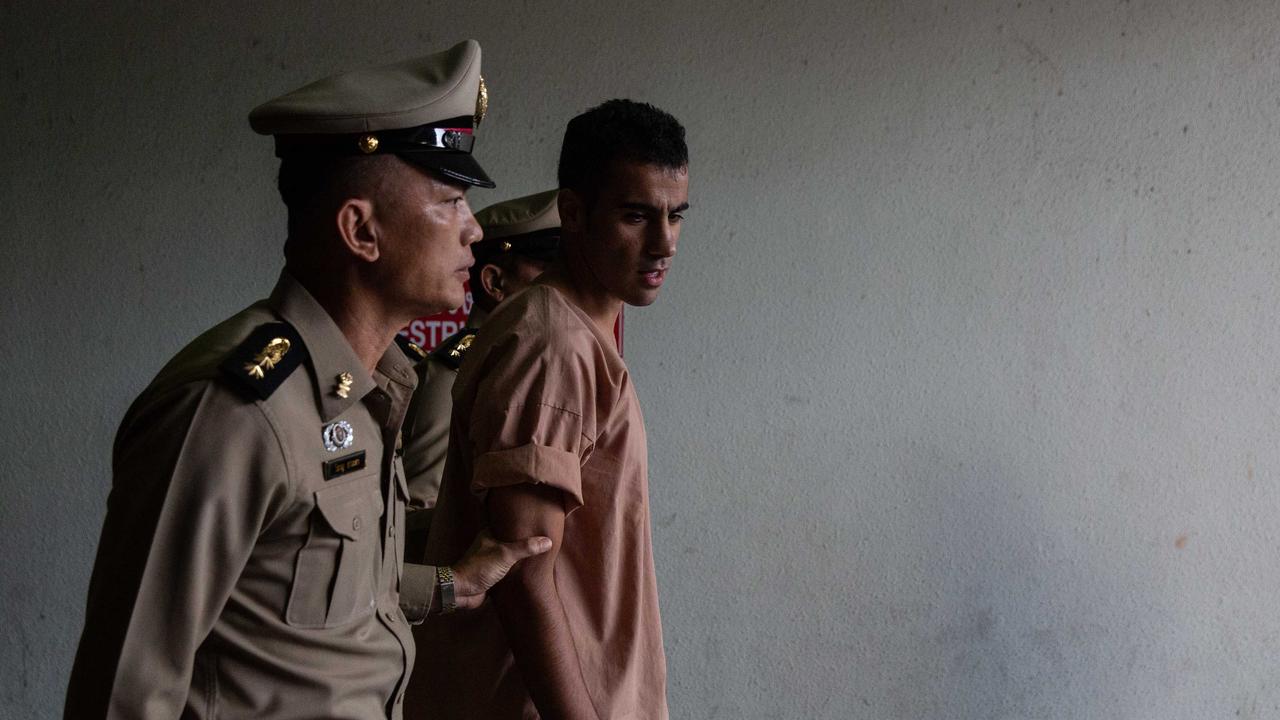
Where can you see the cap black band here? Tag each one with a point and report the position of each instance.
(453, 135)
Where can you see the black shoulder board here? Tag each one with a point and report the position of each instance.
(451, 351)
(411, 349)
(265, 358)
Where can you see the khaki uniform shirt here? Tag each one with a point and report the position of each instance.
(426, 432)
(244, 569)
(426, 423)
(544, 397)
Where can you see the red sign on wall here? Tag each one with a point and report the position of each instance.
(428, 332)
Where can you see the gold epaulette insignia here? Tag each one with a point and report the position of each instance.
(267, 358)
(449, 353)
(411, 349)
(462, 346)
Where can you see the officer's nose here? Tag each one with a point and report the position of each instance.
(472, 233)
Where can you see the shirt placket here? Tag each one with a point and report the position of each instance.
(387, 404)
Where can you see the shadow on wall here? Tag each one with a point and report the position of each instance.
(1013, 628)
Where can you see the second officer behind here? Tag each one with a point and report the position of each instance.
(521, 239)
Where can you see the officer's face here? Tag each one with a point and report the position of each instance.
(632, 229)
(427, 227)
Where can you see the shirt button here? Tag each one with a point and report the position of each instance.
(391, 531)
(355, 523)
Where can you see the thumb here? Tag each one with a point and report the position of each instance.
(528, 547)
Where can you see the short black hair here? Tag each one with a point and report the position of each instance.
(618, 131)
(308, 183)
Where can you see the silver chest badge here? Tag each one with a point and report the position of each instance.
(338, 436)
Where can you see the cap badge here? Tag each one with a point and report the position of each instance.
(338, 436)
(482, 101)
(267, 358)
(506, 246)
(367, 143)
(344, 385)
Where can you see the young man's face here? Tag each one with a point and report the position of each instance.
(427, 227)
(632, 229)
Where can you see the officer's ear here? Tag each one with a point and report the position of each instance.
(358, 229)
(573, 211)
(491, 282)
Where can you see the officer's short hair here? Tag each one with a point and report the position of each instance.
(311, 183)
(618, 131)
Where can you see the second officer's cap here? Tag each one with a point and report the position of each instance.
(528, 226)
(424, 110)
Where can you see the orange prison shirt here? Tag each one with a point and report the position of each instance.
(544, 397)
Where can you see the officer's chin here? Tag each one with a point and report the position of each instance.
(456, 298)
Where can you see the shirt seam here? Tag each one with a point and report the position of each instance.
(539, 403)
(590, 440)
(289, 472)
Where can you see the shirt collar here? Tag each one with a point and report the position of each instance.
(331, 354)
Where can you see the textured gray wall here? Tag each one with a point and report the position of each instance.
(963, 396)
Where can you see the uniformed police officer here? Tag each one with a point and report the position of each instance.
(521, 238)
(251, 562)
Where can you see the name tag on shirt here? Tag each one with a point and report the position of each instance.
(343, 465)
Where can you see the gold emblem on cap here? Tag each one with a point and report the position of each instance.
(482, 101)
(367, 143)
(506, 246)
(344, 385)
(267, 358)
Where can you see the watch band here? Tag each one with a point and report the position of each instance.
(444, 578)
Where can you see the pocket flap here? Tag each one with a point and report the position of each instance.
(348, 512)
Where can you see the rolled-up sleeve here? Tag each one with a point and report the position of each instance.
(535, 417)
(537, 464)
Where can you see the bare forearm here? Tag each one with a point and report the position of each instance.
(538, 631)
(530, 607)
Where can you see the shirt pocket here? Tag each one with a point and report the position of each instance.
(333, 579)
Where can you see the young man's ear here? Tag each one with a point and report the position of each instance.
(573, 210)
(491, 282)
(358, 229)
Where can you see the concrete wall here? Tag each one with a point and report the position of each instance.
(962, 397)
